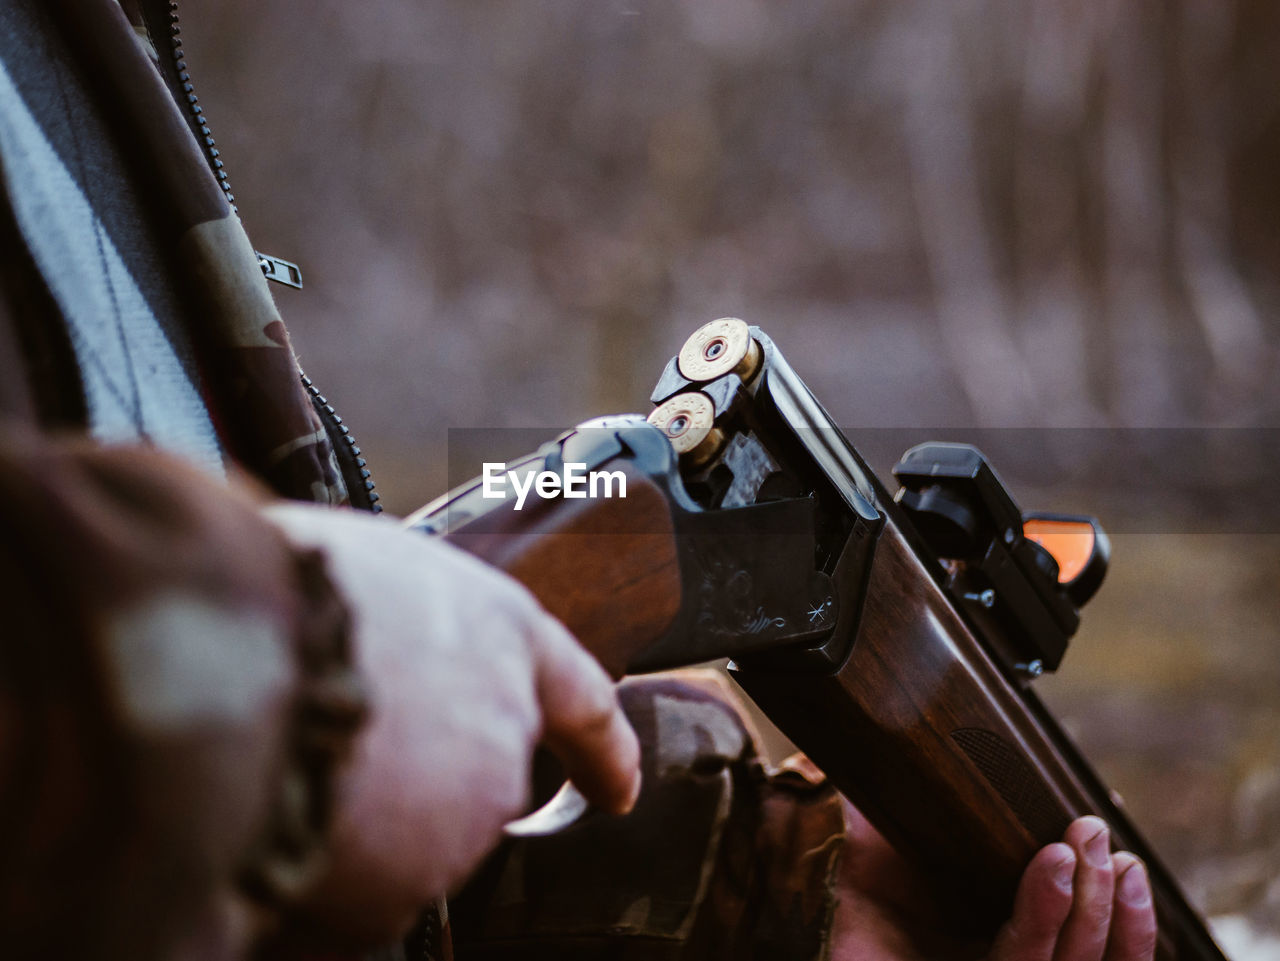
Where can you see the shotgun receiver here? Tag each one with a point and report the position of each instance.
(893, 639)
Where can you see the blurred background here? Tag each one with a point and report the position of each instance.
(1050, 228)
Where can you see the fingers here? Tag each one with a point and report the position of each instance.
(1041, 908)
(582, 722)
(1133, 921)
(1079, 902)
(1084, 936)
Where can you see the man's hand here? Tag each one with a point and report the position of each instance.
(1079, 902)
(1076, 902)
(468, 674)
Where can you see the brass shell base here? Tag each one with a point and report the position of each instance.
(718, 348)
(688, 420)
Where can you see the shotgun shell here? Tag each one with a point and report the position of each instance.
(689, 421)
(717, 348)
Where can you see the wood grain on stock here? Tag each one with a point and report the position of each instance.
(907, 729)
(606, 567)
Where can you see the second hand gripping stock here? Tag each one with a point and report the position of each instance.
(893, 640)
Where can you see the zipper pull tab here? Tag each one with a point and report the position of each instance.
(281, 271)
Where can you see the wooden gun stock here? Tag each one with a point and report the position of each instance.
(607, 568)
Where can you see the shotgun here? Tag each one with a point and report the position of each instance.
(894, 639)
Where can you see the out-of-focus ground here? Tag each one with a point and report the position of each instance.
(1171, 688)
(981, 214)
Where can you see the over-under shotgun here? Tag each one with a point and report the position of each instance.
(893, 640)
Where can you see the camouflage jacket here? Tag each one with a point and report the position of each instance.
(268, 420)
(724, 857)
(139, 772)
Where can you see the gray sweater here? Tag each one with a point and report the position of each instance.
(80, 216)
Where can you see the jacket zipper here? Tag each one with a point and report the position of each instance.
(351, 461)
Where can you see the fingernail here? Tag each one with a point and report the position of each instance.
(1134, 889)
(636, 784)
(1097, 850)
(1064, 873)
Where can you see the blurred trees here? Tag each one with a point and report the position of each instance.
(1037, 213)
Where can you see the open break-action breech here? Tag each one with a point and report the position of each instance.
(894, 640)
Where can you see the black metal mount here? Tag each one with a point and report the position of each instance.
(1005, 580)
